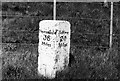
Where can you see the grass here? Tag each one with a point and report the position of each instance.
(89, 63)
(20, 47)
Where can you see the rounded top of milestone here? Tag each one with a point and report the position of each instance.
(53, 21)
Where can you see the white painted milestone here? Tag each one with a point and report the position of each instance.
(54, 47)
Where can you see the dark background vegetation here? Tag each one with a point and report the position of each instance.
(90, 57)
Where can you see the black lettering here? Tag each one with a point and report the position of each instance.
(46, 37)
(62, 44)
(63, 38)
(49, 32)
(63, 32)
(45, 43)
(54, 32)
